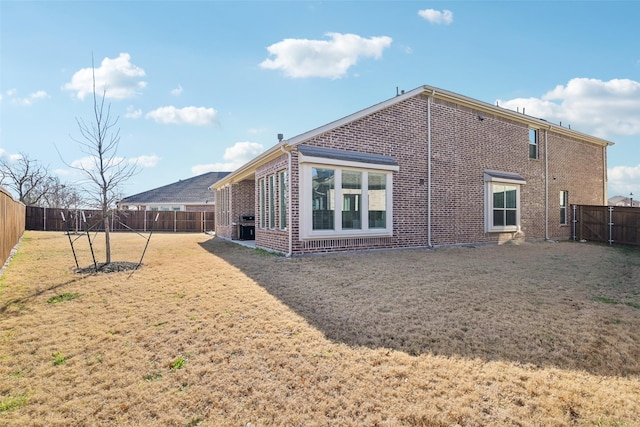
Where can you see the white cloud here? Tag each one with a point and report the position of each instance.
(196, 116)
(11, 157)
(323, 58)
(145, 161)
(118, 76)
(235, 156)
(92, 162)
(601, 108)
(177, 91)
(436, 16)
(132, 113)
(624, 180)
(27, 100)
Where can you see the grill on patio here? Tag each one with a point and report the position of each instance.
(246, 227)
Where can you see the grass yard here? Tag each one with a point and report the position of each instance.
(208, 333)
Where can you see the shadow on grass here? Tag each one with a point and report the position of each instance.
(531, 306)
(4, 308)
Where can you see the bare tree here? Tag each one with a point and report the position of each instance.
(59, 195)
(103, 169)
(26, 178)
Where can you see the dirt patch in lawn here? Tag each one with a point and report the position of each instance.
(209, 333)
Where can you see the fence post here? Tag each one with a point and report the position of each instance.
(610, 224)
(574, 220)
(44, 220)
(175, 221)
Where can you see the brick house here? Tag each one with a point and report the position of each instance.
(426, 168)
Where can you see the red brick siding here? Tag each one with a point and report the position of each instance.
(267, 237)
(462, 148)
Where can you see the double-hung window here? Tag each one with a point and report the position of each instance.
(533, 143)
(272, 201)
(282, 186)
(502, 201)
(345, 194)
(262, 202)
(564, 202)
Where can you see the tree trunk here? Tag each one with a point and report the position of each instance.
(107, 238)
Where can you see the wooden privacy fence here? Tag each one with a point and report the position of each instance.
(610, 224)
(12, 223)
(50, 219)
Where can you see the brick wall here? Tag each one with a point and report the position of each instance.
(463, 146)
(273, 238)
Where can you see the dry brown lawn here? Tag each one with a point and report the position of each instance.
(209, 333)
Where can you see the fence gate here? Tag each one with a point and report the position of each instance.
(609, 224)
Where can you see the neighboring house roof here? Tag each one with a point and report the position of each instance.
(481, 107)
(187, 191)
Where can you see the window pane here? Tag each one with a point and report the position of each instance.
(377, 200)
(272, 201)
(510, 197)
(498, 196)
(351, 199)
(323, 186)
(498, 218)
(262, 202)
(510, 217)
(283, 199)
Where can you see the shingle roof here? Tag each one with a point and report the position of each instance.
(332, 153)
(186, 191)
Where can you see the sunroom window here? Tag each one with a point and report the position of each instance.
(341, 197)
(502, 201)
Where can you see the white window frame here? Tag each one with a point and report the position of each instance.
(492, 178)
(564, 205)
(262, 202)
(307, 163)
(533, 143)
(282, 199)
(271, 201)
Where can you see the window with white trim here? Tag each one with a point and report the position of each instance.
(282, 186)
(262, 202)
(272, 201)
(502, 201)
(564, 202)
(533, 143)
(345, 193)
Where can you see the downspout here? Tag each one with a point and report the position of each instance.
(429, 169)
(605, 178)
(546, 185)
(289, 227)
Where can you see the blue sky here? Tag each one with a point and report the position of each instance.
(207, 85)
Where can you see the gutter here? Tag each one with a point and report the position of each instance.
(605, 179)
(429, 168)
(546, 184)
